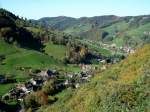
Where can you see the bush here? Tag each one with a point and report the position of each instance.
(30, 101)
(51, 99)
(36, 99)
(49, 87)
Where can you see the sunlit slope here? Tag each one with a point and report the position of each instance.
(123, 88)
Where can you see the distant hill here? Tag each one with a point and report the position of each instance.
(69, 24)
(59, 23)
(123, 31)
(130, 31)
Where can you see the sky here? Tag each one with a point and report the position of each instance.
(35, 9)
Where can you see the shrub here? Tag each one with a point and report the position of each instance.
(49, 87)
(36, 99)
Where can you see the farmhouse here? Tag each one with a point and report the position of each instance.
(45, 74)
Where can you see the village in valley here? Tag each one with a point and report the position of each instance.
(76, 56)
(68, 79)
(73, 80)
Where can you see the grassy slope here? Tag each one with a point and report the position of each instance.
(121, 26)
(124, 29)
(140, 30)
(5, 88)
(122, 88)
(119, 31)
(57, 51)
(95, 34)
(96, 47)
(137, 33)
(19, 57)
(24, 58)
(78, 28)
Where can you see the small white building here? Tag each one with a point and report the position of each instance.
(103, 67)
(77, 85)
(33, 81)
(66, 82)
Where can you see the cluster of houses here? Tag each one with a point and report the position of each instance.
(76, 79)
(146, 33)
(35, 83)
(86, 69)
(38, 80)
(125, 49)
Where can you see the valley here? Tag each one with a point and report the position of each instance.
(65, 64)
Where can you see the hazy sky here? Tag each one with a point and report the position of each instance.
(35, 9)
